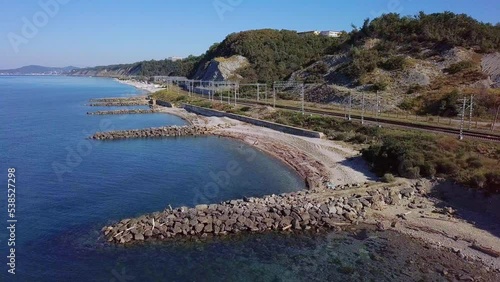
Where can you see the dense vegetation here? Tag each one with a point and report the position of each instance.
(443, 28)
(150, 68)
(414, 155)
(273, 54)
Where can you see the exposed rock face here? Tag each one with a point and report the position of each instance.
(302, 210)
(123, 112)
(166, 131)
(491, 66)
(221, 68)
(331, 65)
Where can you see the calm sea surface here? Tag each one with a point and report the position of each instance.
(68, 188)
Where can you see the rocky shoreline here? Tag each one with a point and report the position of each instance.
(124, 112)
(119, 99)
(166, 131)
(119, 104)
(303, 210)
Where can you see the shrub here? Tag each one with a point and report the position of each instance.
(493, 181)
(414, 88)
(359, 138)
(363, 62)
(458, 67)
(477, 180)
(447, 167)
(394, 63)
(388, 177)
(474, 162)
(380, 85)
(341, 136)
(428, 169)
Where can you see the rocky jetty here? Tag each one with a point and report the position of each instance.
(124, 112)
(119, 99)
(166, 131)
(119, 104)
(304, 210)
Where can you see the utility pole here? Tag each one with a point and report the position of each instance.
(258, 90)
(378, 109)
(350, 106)
(363, 109)
(470, 110)
(462, 115)
(274, 96)
(302, 95)
(235, 94)
(495, 120)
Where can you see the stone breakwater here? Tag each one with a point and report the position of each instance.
(304, 210)
(119, 99)
(118, 104)
(166, 131)
(123, 112)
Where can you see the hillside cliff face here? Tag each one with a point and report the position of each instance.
(221, 69)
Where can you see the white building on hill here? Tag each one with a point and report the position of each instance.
(330, 33)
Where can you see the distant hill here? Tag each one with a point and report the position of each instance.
(37, 70)
(181, 67)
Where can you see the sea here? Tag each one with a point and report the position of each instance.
(68, 187)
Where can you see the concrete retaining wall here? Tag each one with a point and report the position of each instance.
(258, 122)
(162, 103)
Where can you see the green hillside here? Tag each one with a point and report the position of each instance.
(273, 54)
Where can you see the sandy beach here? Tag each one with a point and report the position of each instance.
(147, 87)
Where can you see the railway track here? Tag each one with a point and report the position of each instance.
(402, 124)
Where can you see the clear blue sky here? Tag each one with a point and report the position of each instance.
(101, 32)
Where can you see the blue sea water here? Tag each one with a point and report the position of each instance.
(68, 187)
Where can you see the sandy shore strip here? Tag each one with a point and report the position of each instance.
(146, 87)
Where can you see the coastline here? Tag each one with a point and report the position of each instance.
(322, 161)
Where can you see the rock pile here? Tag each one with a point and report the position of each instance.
(166, 131)
(123, 112)
(119, 103)
(302, 210)
(119, 99)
